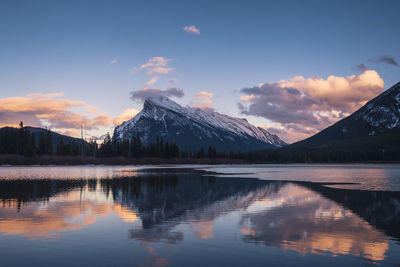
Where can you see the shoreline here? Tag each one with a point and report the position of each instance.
(19, 160)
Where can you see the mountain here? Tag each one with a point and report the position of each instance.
(379, 116)
(192, 128)
(370, 133)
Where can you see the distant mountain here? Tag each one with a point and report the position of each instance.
(370, 133)
(74, 143)
(380, 115)
(192, 128)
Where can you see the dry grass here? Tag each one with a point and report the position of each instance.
(80, 160)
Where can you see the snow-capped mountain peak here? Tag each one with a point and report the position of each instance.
(193, 127)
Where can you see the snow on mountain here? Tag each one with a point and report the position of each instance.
(192, 128)
(380, 115)
(383, 112)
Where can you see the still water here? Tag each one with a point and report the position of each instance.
(200, 215)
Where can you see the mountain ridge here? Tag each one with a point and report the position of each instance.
(372, 133)
(379, 115)
(193, 128)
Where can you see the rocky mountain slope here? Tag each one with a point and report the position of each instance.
(192, 128)
(380, 115)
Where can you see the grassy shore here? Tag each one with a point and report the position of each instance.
(81, 160)
(19, 160)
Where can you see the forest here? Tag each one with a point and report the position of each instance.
(24, 142)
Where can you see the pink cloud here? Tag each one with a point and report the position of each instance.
(157, 65)
(60, 114)
(151, 82)
(303, 106)
(159, 70)
(155, 62)
(191, 29)
(205, 102)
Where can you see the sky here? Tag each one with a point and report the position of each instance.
(292, 67)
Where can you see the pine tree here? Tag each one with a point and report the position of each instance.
(48, 143)
(60, 147)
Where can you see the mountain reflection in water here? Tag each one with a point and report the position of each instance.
(172, 209)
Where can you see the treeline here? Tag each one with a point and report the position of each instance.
(23, 141)
(382, 147)
(160, 149)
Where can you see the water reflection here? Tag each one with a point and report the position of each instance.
(385, 177)
(309, 223)
(173, 209)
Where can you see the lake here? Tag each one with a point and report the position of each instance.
(223, 215)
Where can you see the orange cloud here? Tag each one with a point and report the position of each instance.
(300, 107)
(151, 82)
(60, 114)
(205, 101)
(125, 115)
(51, 110)
(248, 97)
(204, 95)
(347, 93)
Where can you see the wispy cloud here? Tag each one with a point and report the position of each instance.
(172, 81)
(385, 59)
(157, 65)
(307, 105)
(125, 116)
(113, 61)
(203, 101)
(191, 29)
(133, 71)
(159, 70)
(151, 82)
(155, 62)
(361, 67)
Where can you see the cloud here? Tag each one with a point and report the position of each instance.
(50, 110)
(385, 59)
(248, 97)
(145, 93)
(307, 105)
(361, 67)
(346, 93)
(113, 61)
(159, 70)
(191, 29)
(291, 132)
(172, 81)
(205, 102)
(151, 82)
(125, 116)
(204, 95)
(133, 71)
(155, 62)
(157, 65)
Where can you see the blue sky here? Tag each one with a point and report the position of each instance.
(67, 47)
